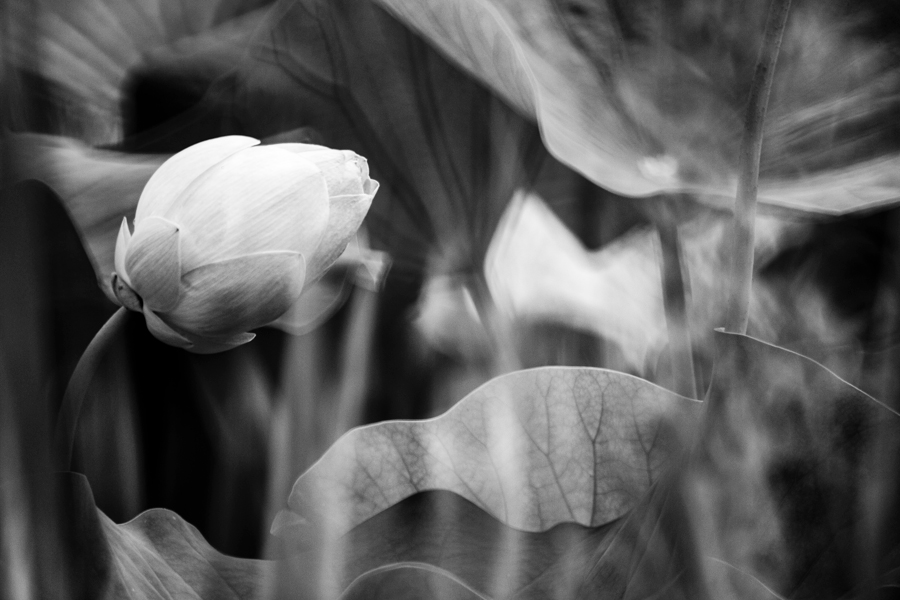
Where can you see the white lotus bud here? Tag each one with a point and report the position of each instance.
(228, 234)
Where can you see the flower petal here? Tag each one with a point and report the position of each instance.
(299, 148)
(344, 220)
(214, 345)
(232, 296)
(342, 169)
(317, 303)
(153, 263)
(122, 242)
(163, 332)
(176, 174)
(259, 200)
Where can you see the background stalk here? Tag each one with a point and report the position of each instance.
(675, 303)
(738, 311)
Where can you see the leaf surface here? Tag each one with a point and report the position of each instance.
(645, 100)
(763, 499)
(409, 581)
(155, 555)
(532, 448)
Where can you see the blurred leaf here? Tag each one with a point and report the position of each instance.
(86, 50)
(533, 448)
(538, 271)
(649, 98)
(156, 555)
(97, 188)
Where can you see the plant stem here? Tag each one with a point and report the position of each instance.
(506, 358)
(675, 304)
(751, 147)
(79, 383)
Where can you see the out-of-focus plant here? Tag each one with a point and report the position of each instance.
(229, 234)
(647, 99)
(545, 483)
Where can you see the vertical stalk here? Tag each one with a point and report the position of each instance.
(675, 304)
(751, 146)
(356, 361)
(506, 358)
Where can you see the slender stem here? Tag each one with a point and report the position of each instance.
(506, 358)
(751, 147)
(675, 294)
(73, 399)
(356, 361)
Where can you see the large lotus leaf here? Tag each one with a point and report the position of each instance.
(155, 555)
(763, 500)
(532, 448)
(645, 99)
(766, 499)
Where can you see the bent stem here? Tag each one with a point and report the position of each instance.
(76, 390)
(675, 305)
(738, 310)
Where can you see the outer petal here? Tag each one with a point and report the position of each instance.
(299, 148)
(163, 332)
(214, 345)
(358, 265)
(153, 262)
(232, 296)
(122, 242)
(344, 220)
(174, 176)
(259, 200)
(317, 303)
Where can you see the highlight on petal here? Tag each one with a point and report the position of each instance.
(170, 181)
(163, 332)
(300, 148)
(122, 242)
(153, 263)
(232, 296)
(259, 200)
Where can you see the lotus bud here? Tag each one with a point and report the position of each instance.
(228, 234)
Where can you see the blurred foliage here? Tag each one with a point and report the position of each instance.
(220, 439)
